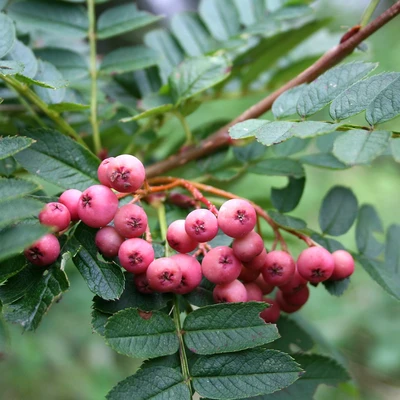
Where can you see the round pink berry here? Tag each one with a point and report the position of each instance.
(108, 241)
(272, 313)
(201, 225)
(142, 284)
(296, 283)
(254, 293)
(44, 251)
(248, 275)
(299, 298)
(237, 218)
(130, 221)
(191, 273)
(97, 206)
(344, 265)
(248, 247)
(55, 215)
(279, 268)
(265, 287)
(70, 199)
(220, 265)
(178, 239)
(257, 262)
(126, 173)
(284, 305)
(102, 172)
(231, 292)
(135, 255)
(164, 275)
(315, 264)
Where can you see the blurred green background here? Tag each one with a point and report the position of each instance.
(64, 360)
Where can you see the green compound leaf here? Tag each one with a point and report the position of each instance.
(151, 383)
(11, 267)
(278, 167)
(195, 75)
(243, 374)
(359, 96)
(30, 309)
(246, 129)
(392, 250)
(323, 160)
(16, 210)
(141, 334)
(360, 147)
(7, 34)
(274, 132)
(127, 59)
(285, 105)
(287, 198)
(325, 88)
(11, 145)
(308, 129)
(56, 18)
(338, 211)
(25, 56)
(104, 279)
(287, 221)
(121, 19)
(59, 160)
(224, 328)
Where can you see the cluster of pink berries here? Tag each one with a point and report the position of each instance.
(242, 272)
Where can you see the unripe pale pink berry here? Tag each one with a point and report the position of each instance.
(248, 275)
(254, 293)
(201, 225)
(265, 287)
(44, 251)
(102, 172)
(70, 199)
(294, 285)
(258, 262)
(248, 247)
(191, 273)
(344, 265)
(108, 241)
(284, 305)
(164, 275)
(126, 173)
(231, 292)
(237, 218)
(55, 215)
(130, 221)
(315, 264)
(135, 255)
(142, 284)
(279, 268)
(97, 206)
(220, 265)
(299, 298)
(271, 314)
(178, 239)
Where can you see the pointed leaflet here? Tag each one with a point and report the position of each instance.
(24, 55)
(249, 153)
(244, 374)
(7, 34)
(392, 251)
(10, 67)
(338, 211)
(278, 167)
(250, 11)
(286, 199)
(30, 309)
(360, 147)
(103, 278)
(325, 88)
(292, 146)
(195, 75)
(356, 98)
(10, 268)
(246, 129)
(287, 221)
(140, 334)
(16, 210)
(285, 105)
(323, 160)
(121, 19)
(151, 383)
(11, 145)
(47, 71)
(274, 132)
(224, 328)
(59, 160)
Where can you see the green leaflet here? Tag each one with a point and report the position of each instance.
(7, 34)
(11, 145)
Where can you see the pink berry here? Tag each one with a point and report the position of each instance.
(315, 264)
(344, 265)
(265, 287)
(164, 275)
(248, 247)
(201, 225)
(279, 268)
(135, 255)
(130, 221)
(97, 206)
(126, 173)
(271, 314)
(178, 239)
(220, 265)
(294, 285)
(191, 273)
(254, 293)
(142, 284)
(70, 199)
(284, 305)
(248, 275)
(237, 218)
(257, 262)
(299, 298)
(102, 172)
(55, 215)
(108, 241)
(44, 251)
(231, 292)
